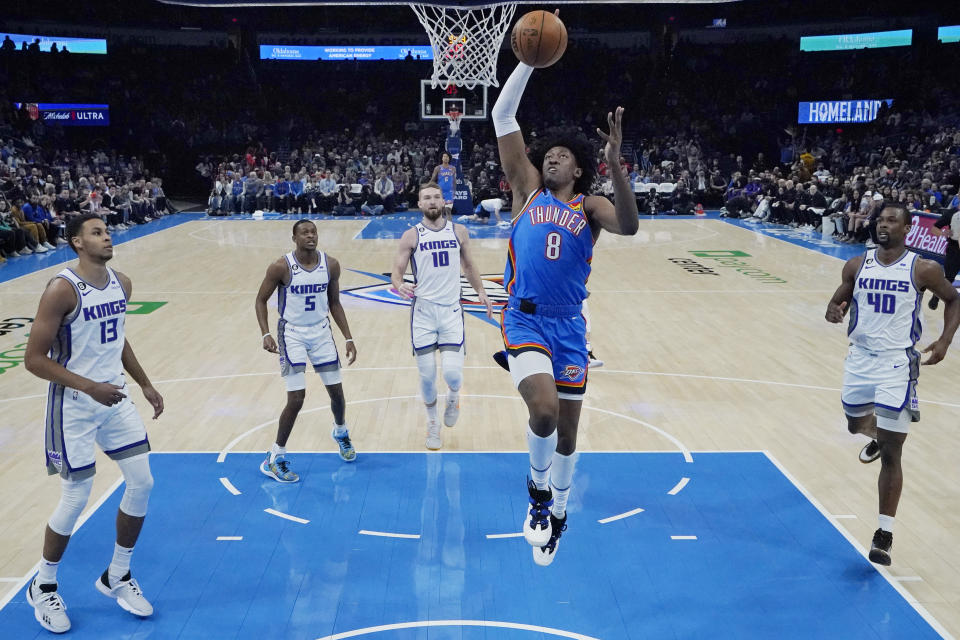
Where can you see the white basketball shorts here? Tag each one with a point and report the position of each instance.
(76, 424)
(884, 383)
(312, 344)
(435, 326)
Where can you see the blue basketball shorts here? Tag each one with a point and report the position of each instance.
(562, 339)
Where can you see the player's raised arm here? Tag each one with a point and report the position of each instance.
(837, 307)
(276, 273)
(930, 276)
(522, 175)
(470, 269)
(336, 309)
(408, 242)
(621, 218)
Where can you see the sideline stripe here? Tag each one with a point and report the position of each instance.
(229, 486)
(457, 623)
(680, 485)
(230, 538)
(683, 537)
(497, 536)
(387, 534)
(883, 571)
(5, 600)
(621, 516)
(286, 516)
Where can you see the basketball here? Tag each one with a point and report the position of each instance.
(539, 39)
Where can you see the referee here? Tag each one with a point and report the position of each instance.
(951, 265)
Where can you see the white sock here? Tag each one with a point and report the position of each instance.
(48, 572)
(432, 412)
(541, 455)
(277, 450)
(886, 522)
(561, 479)
(339, 430)
(120, 565)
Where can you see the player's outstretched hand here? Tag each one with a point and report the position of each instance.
(269, 344)
(155, 399)
(835, 312)
(351, 352)
(937, 351)
(106, 393)
(615, 138)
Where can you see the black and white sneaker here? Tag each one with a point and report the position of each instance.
(880, 549)
(870, 452)
(48, 607)
(127, 593)
(536, 520)
(544, 555)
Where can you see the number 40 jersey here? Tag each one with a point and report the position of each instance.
(885, 312)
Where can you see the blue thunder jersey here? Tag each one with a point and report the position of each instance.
(551, 246)
(447, 179)
(91, 338)
(885, 313)
(303, 300)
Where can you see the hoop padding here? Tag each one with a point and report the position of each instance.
(466, 42)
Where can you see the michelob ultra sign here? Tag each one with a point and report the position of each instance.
(68, 114)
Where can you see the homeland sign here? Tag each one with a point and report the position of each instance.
(846, 111)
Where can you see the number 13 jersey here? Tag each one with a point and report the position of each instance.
(551, 246)
(885, 311)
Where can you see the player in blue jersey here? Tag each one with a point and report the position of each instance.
(555, 225)
(883, 290)
(78, 343)
(445, 175)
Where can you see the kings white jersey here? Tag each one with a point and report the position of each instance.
(303, 301)
(436, 264)
(90, 340)
(885, 312)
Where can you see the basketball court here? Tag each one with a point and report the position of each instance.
(718, 491)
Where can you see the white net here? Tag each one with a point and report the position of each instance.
(465, 42)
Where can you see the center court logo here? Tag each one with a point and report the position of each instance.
(734, 260)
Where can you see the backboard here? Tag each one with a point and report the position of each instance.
(436, 102)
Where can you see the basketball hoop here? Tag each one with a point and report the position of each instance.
(465, 42)
(453, 117)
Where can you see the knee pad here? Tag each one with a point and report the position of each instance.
(73, 498)
(139, 481)
(452, 362)
(427, 366)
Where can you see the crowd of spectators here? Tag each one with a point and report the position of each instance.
(708, 125)
(41, 189)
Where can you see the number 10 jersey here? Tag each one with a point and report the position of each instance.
(436, 265)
